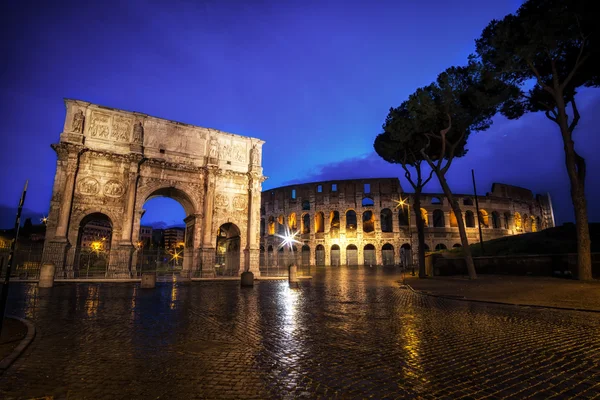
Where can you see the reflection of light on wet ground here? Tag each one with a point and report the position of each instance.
(31, 297)
(174, 292)
(92, 300)
(289, 300)
(410, 341)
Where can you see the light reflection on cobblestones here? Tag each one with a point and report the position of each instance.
(346, 333)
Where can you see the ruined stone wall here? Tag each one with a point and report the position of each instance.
(283, 207)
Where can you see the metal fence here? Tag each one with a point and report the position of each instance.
(26, 263)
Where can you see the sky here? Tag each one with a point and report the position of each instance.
(314, 79)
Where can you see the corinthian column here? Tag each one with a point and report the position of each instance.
(252, 245)
(129, 207)
(208, 247)
(66, 199)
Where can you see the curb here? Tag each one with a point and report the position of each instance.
(499, 302)
(8, 360)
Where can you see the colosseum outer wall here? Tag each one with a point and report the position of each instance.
(359, 222)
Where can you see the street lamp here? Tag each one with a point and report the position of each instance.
(401, 204)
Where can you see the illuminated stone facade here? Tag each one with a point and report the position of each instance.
(110, 162)
(352, 222)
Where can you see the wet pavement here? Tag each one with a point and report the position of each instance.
(347, 333)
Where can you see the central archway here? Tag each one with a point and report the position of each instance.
(228, 250)
(92, 252)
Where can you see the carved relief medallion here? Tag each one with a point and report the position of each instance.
(221, 200)
(239, 203)
(88, 186)
(113, 189)
(121, 129)
(99, 127)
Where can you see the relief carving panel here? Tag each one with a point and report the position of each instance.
(113, 189)
(100, 125)
(88, 186)
(121, 128)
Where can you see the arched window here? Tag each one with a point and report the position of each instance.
(387, 253)
(506, 220)
(403, 216)
(292, 223)
(453, 220)
(305, 223)
(368, 220)
(262, 227)
(526, 223)
(425, 217)
(425, 247)
(351, 255)
(467, 201)
(386, 220)
(438, 219)
(538, 224)
(436, 200)
(319, 222)
(369, 255)
(351, 220)
(518, 222)
(335, 255)
(495, 220)
(334, 220)
(280, 225)
(305, 205)
(484, 219)
(271, 225)
(469, 219)
(440, 246)
(367, 202)
(457, 245)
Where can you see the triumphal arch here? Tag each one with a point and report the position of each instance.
(110, 162)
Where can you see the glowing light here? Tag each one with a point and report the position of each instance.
(401, 203)
(175, 255)
(288, 238)
(97, 246)
(44, 220)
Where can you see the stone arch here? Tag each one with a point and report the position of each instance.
(334, 220)
(518, 221)
(456, 245)
(271, 261)
(335, 255)
(271, 225)
(292, 221)
(453, 220)
(319, 222)
(436, 200)
(367, 202)
(174, 191)
(484, 218)
(305, 205)
(305, 223)
(495, 220)
(538, 224)
(386, 220)
(506, 220)
(280, 225)
(262, 227)
(403, 216)
(351, 255)
(438, 219)
(469, 219)
(370, 258)
(440, 246)
(94, 239)
(305, 254)
(467, 201)
(425, 217)
(351, 221)
(387, 254)
(368, 221)
(228, 248)
(425, 247)
(320, 255)
(526, 223)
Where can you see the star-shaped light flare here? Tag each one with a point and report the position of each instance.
(401, 203)
(288, 238)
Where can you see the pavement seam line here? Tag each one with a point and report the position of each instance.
(8, 360)
(441, 296)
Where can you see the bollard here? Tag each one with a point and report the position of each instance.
(148, 280)
(293, 275)
(47, 275)
(247, 279)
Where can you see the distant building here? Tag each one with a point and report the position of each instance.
(96, 231)
(146, 235)
(158, 237)
(174, 236)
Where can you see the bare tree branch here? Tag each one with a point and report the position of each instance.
(576, 115)
(539, 78)
(550, 117)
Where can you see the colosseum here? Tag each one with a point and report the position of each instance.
(358, 221)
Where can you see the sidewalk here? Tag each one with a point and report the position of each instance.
(13, 331)
(521, 290)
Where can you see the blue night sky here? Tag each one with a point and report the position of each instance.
(314, 79)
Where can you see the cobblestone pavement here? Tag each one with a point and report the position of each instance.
(347, 333)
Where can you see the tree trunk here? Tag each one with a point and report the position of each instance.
(461, 226)
(576, 171)
(420, 232)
